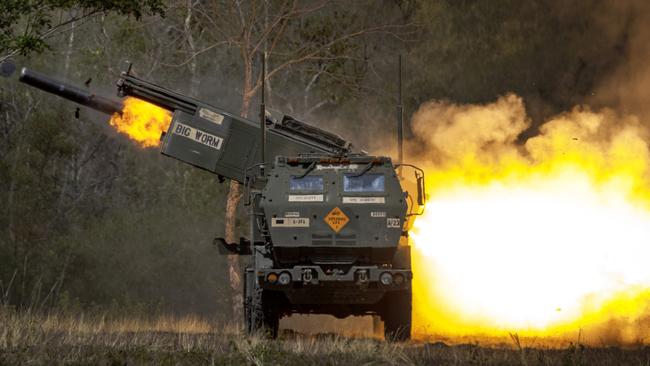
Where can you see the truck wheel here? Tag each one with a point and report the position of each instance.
(264, 315)
(396, 313)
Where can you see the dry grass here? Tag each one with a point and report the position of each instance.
(77, 340)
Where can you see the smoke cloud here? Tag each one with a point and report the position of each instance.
(539, 236)
(626, 88)
(542, 238)
(451, 131)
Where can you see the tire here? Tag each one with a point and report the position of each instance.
(396, 313)
(263, 313)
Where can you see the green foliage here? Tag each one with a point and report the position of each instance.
(157, 253)
(341, 63)
(25, 25)
(94, 221)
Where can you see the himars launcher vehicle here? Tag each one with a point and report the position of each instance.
(328, 226)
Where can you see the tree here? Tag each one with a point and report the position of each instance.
(55, 167)
(26, 26)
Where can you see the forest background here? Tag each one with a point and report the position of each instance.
(91, 221)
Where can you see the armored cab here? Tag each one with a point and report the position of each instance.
(333, 241)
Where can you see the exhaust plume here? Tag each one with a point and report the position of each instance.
(547, 238)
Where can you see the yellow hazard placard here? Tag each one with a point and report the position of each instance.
(336, 219)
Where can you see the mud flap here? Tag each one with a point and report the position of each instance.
(402, 257)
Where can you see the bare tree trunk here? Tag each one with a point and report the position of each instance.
(248, 92)
(68, 53)
(187, 25)
(246, 102)
(194, 78)
(268, 90)
(234, 195)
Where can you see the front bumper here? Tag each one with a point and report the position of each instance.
(361, 277)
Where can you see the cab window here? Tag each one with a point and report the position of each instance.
(306, 183)
(363, 183)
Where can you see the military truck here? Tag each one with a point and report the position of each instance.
(328, 225)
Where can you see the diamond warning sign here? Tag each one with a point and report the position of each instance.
(336, 219)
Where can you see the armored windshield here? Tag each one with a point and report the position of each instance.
(306, 183)
(363, 183)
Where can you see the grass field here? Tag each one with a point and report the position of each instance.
(67, 340)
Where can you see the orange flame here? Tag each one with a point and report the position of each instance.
(143, 122)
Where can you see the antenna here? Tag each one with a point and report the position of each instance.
(400, 116)
(263, 115)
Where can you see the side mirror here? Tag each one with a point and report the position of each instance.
(420, 181)
(225, 248)
(422, 191)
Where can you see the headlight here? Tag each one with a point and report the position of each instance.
(399, 279)
(284, 278)
(272, 277)
(386, 279)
